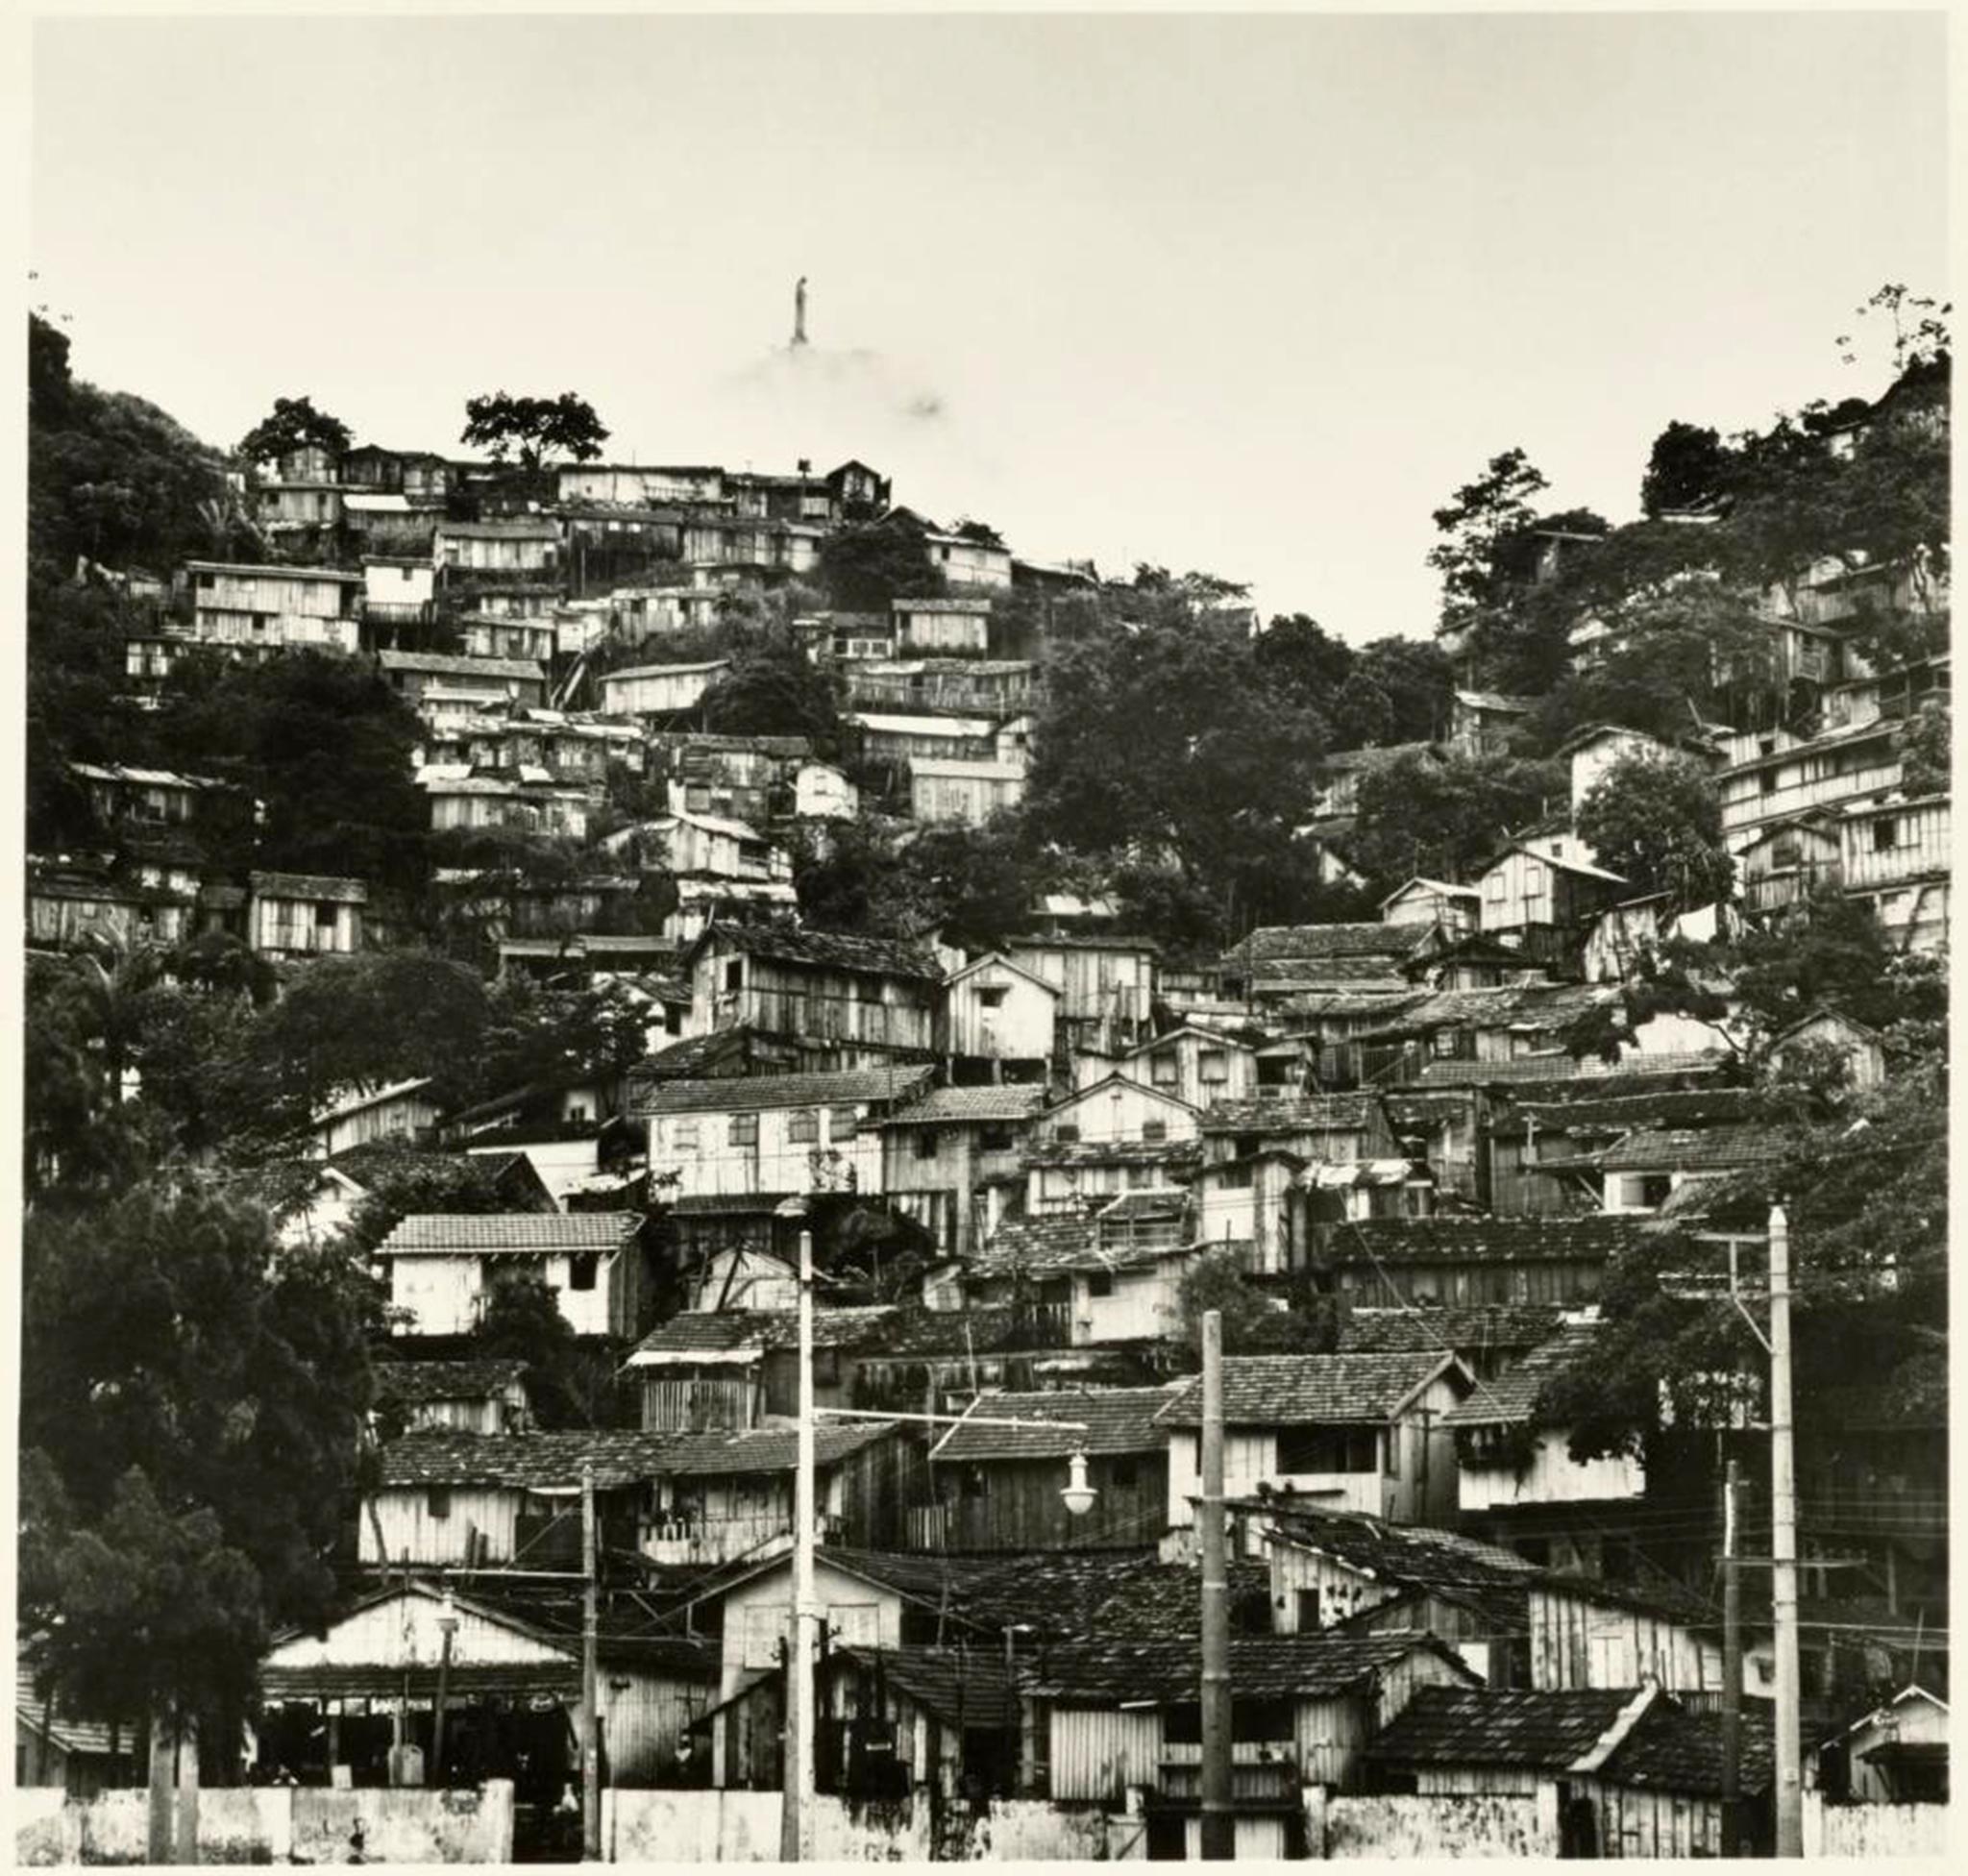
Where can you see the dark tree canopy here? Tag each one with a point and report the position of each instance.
(1657, 822)
(1446, 819)
(774, 689)
(867, 569)
(1686, 469)
(196, 1402)
(294, 424)
(538, 428)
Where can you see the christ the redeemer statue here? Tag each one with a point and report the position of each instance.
(799, 311)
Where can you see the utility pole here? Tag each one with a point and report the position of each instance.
(1218, 1823)
(1732, 1668)
(590, 1643)
(796, 1838)
(163, 1773)
(447, 1626)
(1784, 1546)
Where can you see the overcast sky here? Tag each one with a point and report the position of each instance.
(1245, 294)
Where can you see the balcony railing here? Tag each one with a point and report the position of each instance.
(722, 1540)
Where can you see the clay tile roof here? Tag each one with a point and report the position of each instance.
(1404, 1555)
(1273, 942)
(962, 1687)
(537, 1461)
(1290, 1114)
(1309, 1389)
(1513, 1396)
(1595, 1235)
(1615, 1114)
(837, 951)
(509, 1234)
(523, 1460)
(1545, 1730)
(1116, 1420)
(1010, 1102)
(309, 885)
(1168, 1671)
(1036, 1244)
(767, 1449)
(1679, 1148)
(1163, 1601)
(446, 665)
(752, 1093)
(411, 1382)
(699, 1332)
(1671, 1749)
(1467, 1328)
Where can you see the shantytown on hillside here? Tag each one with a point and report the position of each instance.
(540, 964)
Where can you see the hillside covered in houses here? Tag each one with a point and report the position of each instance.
(483, 910)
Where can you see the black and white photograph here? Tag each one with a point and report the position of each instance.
(1010, 937)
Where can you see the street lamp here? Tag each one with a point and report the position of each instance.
(1077, 1494)
(794, 1823)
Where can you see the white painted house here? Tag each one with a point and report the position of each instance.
(775, 1133)
(264, 609)
(1348, 1432)
(998, 1012)
(444, 1267)
(658, 689)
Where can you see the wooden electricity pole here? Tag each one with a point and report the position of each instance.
(1731, 1667)
(1219, 1822)
(590, 1678)
(796, 1836)
(1783, 1548)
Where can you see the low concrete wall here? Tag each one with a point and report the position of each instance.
(270, 1823)
(1882, 1831)
(698, 1826)
(1401, 1828)
(1028, 1830)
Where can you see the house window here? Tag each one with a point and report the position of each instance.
(1492, 885)
(1647, 1190)
(744, 1130)
(683, 1134)
(841, 1123)
(1066, 1132)
(995, 1140)
(1101, 1283)
(991, 997)
(437, 1502)
(582, 1268)
(1153, 1130)
(1886, 834)
(1239, 1176)
(1164, 1070)
(1534, 879)
(926, 1143)
(1311, 1618)
(734, 974)
(1327, 1449)
(803, 1126)
(325, 916)
(1766, 781)
(1214, 1066)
